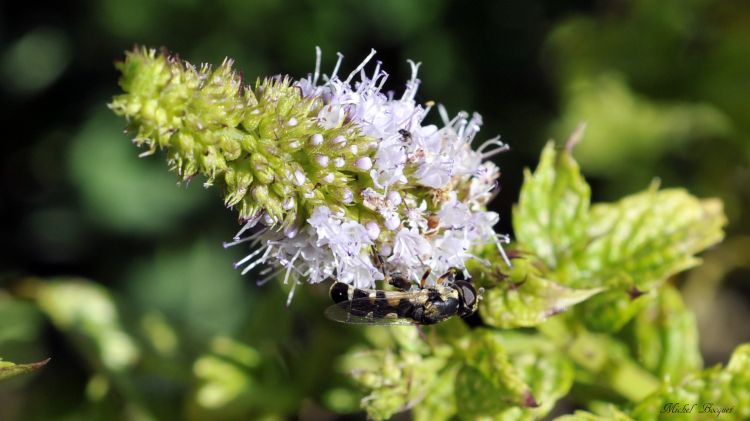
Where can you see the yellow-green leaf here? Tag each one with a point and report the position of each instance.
(645, 238)
(665, 336)
(396, 380)
(715, 391)
(526, 299)
(552, 213)
(511, 376)
(612, 309)
(487, 383)
(9, 369)
(610, 413)
(86, 311)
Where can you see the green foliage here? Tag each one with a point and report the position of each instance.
(629, 336)
(524, 298)
(647, 237)
(97, 324)
(665, 336)
(133, 204)
(628, 247)
(610, 261)
(553, 209)
(611, 107)
(487, 374)
(608, 413)
(511, 376)
(635, 243)
(660, 85)
(714, 391)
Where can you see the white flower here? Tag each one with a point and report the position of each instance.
(390, 161)
(360, 272)
(373, 230)
(483, 186)
(454, 214)
(415, 216)
(450, 251)
(410, 248)
(352, 237)
(331, 116)
(422, 206)
(373, 199)
(391, 219)
(324, 225)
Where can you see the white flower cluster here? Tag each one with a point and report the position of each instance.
(428, 188)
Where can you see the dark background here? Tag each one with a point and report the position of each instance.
(662, 85)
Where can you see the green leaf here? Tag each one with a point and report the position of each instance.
(552, 212)
(604, 365)
(609, 413)
(396, 380)
(547, 372)
(665, 337)
(87, 312)
(613, 309)
(645, 238)
(9, 369)
(440, 402)
(487, 383)
(712, 391)
(21, 326)
(524, 298)
(510, 376)
(224, 382)
(636, 242)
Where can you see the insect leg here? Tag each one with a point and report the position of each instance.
(424, 277)
(380, 264)
(421, 333)
(450, 274)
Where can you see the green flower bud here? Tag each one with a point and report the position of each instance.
(244, 139)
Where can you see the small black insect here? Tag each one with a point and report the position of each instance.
(405, 135)
(451, 296)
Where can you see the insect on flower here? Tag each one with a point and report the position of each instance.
(452, 295)
(323, 169)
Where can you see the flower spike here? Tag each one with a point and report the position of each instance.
(324, 177)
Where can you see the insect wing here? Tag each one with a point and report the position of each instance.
(370, 311)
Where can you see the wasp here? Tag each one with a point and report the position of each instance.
(452, 295)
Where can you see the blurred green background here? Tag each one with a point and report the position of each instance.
(118, 274)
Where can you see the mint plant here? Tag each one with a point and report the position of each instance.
(326, 177)
(333, 173)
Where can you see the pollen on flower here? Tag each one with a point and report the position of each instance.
(323, 174)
